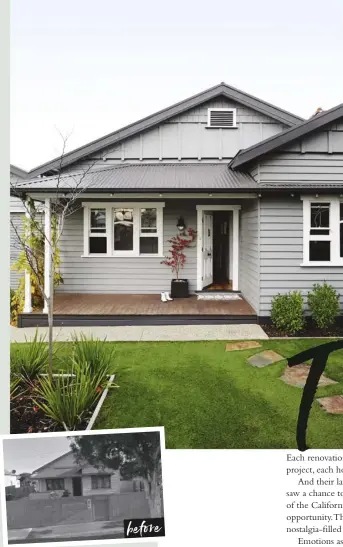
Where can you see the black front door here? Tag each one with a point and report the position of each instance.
(77, 486)
(220, 247)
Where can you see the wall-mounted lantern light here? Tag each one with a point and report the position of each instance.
(181, 225)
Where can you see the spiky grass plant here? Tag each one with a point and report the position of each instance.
(95, 352)
(29, 359)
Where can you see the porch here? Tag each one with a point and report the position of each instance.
(115, 242)
(76, 309)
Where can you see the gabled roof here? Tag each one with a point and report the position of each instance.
(156, 177)
(150, 121)
(18, 172)
(52, 461)
(72, 471)
(253, 153)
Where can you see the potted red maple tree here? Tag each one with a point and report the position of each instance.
(176, 261)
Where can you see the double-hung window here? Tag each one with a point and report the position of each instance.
(97, 231)
(123, 229)
(101, 482)
(323, 231)
(54, 484)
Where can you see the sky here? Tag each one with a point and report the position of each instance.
(85, 68)
(27, 455)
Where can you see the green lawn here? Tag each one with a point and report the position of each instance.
(208, 398)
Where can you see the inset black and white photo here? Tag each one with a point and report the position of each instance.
(103, 485)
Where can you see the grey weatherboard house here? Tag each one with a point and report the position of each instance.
(262, 187)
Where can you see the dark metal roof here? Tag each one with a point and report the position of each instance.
(150, 121)
(171, 177)
(248, 155)
(18, 172)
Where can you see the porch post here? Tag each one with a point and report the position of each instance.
(28, 295)
(47, 251)
(200, 217)
(235, 249)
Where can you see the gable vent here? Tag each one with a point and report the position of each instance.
(221, 117)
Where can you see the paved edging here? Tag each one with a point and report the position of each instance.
(134, 333)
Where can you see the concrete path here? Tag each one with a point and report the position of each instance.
(149, 334)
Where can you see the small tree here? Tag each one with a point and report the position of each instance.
(177, 258)
(61, 208)
(135, 454)
(34, 238)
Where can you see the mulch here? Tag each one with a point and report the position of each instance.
(336, 331)
(26, 417)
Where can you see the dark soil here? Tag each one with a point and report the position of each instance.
(309, 332)
(26, 417)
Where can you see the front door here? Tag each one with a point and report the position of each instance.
(77, 486)
(207, 250)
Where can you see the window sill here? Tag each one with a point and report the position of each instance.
(323, 264)
(122, 256)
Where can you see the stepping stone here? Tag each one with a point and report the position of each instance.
(265, 358)
(236, 346)
(297, 376)
(332, 405)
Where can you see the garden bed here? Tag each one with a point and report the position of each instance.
(27, 417)
(66, 400)
(310, 331)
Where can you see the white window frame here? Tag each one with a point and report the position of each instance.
(109, 207)
(334, 230)
(233, 110)
(100, 479)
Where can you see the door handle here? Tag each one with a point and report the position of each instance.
(209, 254)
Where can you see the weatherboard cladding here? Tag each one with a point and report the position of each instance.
(313, 162)
(131, 275)
(294, 137)
(248, 251)
(281, 253)
(166, 177)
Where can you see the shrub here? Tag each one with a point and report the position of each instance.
(29, 359)
(323, 302)
(69, 400)
(95, 352)
(287, 312)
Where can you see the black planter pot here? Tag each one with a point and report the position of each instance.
(179, 288)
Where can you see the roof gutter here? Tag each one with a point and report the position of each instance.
(163, 191)
(64, 192)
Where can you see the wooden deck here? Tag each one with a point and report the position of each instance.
(139, 309)
(145, 304)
